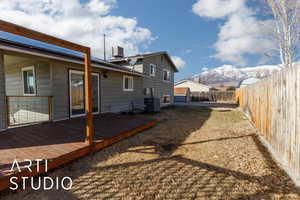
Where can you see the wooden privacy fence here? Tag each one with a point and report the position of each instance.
(219, 96)
(273, 105)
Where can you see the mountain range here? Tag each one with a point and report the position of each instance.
(230, 75)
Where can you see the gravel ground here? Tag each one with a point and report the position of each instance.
(194, 153)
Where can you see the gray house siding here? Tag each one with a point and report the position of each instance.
(52, 79)
(139, 66)
(60, 90)
(114, 99)
(14, 84)
(2, 94)
(161, 87)
(112, 96)
(19, 107)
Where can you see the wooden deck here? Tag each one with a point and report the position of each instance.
(62, 142)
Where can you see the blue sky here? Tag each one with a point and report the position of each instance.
(201, 34)
(177, 30)
(180, 31)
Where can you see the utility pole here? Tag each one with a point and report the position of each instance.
(104, 47)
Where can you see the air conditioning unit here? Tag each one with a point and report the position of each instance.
(118, 52)
(152, 104)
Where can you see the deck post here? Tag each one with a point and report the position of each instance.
(88, 97)
(3, 106)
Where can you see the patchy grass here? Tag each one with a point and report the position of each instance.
(194, 153)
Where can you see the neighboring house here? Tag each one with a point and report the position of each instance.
(247, 82)
(182, 95)
(41, 82)
(192, 85)
(158, 69)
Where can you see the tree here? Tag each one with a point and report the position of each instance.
(286, 15)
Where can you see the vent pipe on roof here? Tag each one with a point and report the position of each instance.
(104, 47)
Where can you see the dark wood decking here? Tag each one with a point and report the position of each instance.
(63, 141)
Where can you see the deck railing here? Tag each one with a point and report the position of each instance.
(23, 110)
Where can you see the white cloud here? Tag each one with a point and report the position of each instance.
(204, 69)
(179, 62)
(220, 8)
(241, 34)
(83, 23)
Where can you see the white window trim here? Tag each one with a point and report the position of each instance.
(152, 91)
(168, 72)
(148, 89)
(98, 83)
(166, 95)
(130, 89)
(154, 67)
(34, 80)
(70, 97)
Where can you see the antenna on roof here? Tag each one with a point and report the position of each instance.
(104, 47)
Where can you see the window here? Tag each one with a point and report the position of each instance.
(149, 91)
(146, 91)
(152, 70)
(128, 83)
(152, 91)
(166, 99)
(166, 75)
(29, 85)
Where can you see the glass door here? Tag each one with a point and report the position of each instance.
(77, 104)
(77, 93)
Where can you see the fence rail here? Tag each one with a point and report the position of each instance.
(28, 109)
(273, 105)
(218, 96)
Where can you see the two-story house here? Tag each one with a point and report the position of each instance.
(158, 69)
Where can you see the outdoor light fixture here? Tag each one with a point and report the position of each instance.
(105, 74)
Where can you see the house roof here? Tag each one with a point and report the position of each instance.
(142, 56)
(182, 81)
(12, 42)
(181, 91)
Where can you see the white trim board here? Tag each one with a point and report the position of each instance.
(132, 82)
(23, 69)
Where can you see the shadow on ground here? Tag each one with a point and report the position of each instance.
(175, 177)
(167, 176)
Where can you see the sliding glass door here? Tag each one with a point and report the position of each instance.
(77, 93)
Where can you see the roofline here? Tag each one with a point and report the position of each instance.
(36, 51)
(141, 56)
(179, 82)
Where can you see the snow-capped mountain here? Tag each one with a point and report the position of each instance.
(232, 75)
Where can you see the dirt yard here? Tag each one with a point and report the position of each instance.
(194, 153)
